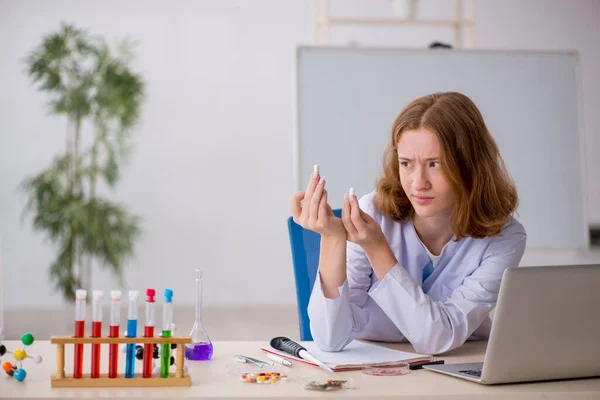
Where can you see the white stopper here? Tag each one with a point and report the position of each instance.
(98, 295)
(80, 294)
(134, 294)
(115, 295)
(351, 192)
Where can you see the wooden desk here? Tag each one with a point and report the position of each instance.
(209, 380)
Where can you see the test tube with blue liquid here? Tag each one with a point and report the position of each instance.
(201, 348)
(132, 316)
(165, 351)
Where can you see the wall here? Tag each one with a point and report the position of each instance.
(212, 169)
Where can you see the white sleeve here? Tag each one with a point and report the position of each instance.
(435, 327)
(336, 322)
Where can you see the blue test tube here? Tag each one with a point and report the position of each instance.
(132, 316)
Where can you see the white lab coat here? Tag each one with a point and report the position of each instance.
(435, 315)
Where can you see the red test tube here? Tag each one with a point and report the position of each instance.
(97, 296)
(80, 302)
(149, 332)
(115, 317)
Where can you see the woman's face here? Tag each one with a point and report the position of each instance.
(421, 173)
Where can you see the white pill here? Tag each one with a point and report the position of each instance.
(316, 169)
(351, 192)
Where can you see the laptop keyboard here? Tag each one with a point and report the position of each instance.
(472, 372)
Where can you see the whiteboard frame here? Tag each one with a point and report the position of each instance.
(580, 115)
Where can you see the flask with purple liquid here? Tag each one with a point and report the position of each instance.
(201, 349)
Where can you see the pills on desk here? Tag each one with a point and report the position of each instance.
(263, 377)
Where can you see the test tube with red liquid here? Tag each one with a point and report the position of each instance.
(80, 302)
(115, 319)
(97, 296)
(149, 332)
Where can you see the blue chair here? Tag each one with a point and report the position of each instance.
(305, 257)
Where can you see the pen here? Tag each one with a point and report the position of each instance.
(245, 359)
(420, 365)
(279, 359)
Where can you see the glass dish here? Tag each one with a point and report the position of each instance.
(327, 383)
(387, 370)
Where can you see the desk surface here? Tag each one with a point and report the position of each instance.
(209, 380)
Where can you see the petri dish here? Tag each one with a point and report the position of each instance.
(327, 383)
(387, 370)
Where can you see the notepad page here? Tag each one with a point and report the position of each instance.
(360, 353)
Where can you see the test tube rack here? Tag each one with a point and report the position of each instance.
(180, 378)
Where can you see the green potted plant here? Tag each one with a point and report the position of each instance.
(91, 85)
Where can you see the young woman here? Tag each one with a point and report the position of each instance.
(421, 257)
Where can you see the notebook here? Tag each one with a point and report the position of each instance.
(356, 355)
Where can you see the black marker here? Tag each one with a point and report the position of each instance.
(420, 365)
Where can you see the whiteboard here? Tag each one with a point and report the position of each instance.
(348, 98)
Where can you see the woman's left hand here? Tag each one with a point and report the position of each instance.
(361, 228)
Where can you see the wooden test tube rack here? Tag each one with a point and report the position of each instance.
(62, 380)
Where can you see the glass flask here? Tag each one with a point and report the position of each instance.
(201, 349)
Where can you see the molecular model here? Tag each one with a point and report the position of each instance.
(16, 369)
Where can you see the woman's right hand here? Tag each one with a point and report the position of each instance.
(315, 213)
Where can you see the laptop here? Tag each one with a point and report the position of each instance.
(546, 326)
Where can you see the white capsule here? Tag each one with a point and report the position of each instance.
(316, 169)
(351, 192)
